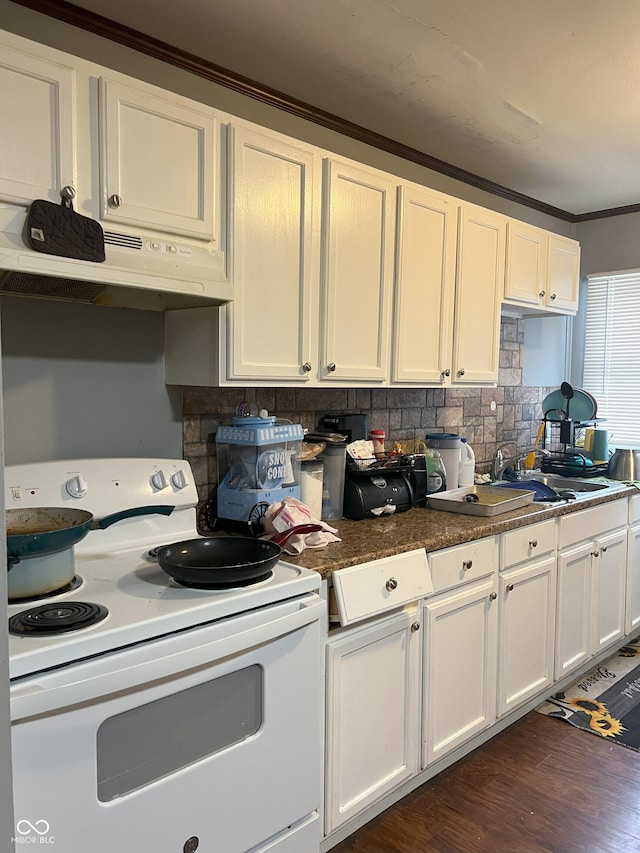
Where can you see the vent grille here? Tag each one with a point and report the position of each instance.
(125, 240)
(50, 287)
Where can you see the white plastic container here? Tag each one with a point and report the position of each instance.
(467, 464)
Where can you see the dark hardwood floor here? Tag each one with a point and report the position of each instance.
(540, 786)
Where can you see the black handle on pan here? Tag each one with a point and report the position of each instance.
(108, 520)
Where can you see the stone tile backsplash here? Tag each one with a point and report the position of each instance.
(506, 416)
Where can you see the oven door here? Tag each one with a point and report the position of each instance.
(206, 739)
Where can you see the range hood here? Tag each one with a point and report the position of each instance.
(152, 273)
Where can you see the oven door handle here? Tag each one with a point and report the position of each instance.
(160, 658)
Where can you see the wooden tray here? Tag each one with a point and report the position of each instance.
(490, 501)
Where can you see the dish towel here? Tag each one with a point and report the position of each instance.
(282, 515)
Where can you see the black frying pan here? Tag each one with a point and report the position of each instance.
(217, 562)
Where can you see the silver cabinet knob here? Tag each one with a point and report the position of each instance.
(466, 565)
(509, 587)
(541, 294)
(391, 584)
(552, 297)
(533, 543)
(307, 367)
(461, 371)
(595, 553)
(603, 549)
(446, 372)
(331, 367)
(68, 193)
(115, 200)
(493, 596)
(415, 626)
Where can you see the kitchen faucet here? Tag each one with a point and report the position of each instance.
(513, 466)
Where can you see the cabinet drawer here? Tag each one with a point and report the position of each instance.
(527, 542)
(589, 523)
(463, 563)
(371, 588)
(634, 509)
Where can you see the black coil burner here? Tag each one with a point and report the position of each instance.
(60, 618)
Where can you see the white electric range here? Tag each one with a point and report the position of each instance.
(173, 695)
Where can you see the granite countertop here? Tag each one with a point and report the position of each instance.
(372, 539)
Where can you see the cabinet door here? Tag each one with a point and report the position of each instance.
(357, 278)
(459, 686)
(274, 258)
(527, 631)
(157, 161)
(526, 269)
(37, 143)
(479, 291)
(372, 713)
(563, 274)
(425, 284)
(632, 617)
(574, 610)
(609, 588)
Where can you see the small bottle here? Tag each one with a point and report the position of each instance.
(377, 436)
(436, 472)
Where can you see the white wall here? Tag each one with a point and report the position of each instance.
(83, 381)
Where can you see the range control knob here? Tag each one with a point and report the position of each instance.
(77, 486)
(158, 480)
(179, 480)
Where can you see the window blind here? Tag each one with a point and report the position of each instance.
(612, 353)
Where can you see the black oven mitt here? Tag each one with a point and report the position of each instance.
(56, 229)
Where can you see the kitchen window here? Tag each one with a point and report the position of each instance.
(612, 352)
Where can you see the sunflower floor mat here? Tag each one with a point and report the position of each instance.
(604, 701)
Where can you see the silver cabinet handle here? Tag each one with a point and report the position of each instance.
(68, 192)
(307, 367)
(466, 565)
(415, 626)
(392, 583)
(445, 372)
(533, 543)
(603, 549)
(493, 596)
(509, 587)
(461, 371)
(541, 294)
(552, 297)
(115, 200)
(331, 367)
(595, 553)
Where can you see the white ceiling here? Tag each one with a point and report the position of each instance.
(541, 97)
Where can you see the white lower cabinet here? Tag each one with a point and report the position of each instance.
(372, 695)
(592, 561)
(527, 596)
(460, 642)
(632, 609)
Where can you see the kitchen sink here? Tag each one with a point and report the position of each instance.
(568, 488)
(558, 482)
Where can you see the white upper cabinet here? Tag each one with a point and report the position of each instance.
(273, 215)
(357, 272)
(563, 274)
(425, 286)
(38, 138)
(479, 287)
(542, 269)
(157, 161)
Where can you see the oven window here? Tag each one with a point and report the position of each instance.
(154, 740)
